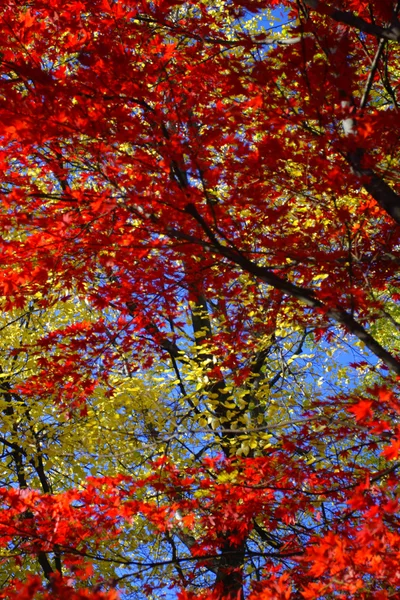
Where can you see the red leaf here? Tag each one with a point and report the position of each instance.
(362, 410)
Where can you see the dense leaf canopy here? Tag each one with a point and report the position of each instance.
(199, 325)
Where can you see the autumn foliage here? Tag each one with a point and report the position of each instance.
(199, 325)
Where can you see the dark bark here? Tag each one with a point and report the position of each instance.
(229, 582)
(383, 194)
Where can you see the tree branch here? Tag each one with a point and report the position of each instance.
(348, 18)
(305, 295)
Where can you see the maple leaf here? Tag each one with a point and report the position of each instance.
(313, 590)
(362, 410)
(392, 451)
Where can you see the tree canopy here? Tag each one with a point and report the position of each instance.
(199, 289)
